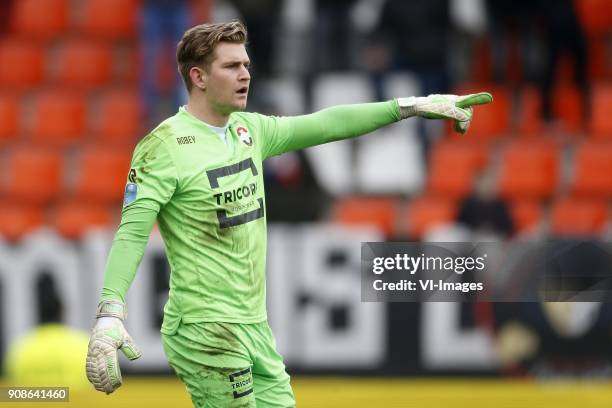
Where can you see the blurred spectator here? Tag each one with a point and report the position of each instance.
(5, 15)
(564, 33)
(413, 36)
(517, 19)
(330, 47)
(52, 354)
(484, 212)
(162, 26)
(417, 32)
(545, 29)
(262, 18)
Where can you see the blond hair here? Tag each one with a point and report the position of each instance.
(198, 44)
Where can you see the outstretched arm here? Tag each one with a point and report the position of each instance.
(346, 121)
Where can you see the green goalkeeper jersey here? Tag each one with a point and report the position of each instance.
(208, 199)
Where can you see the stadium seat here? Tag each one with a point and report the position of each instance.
(332, 163)
(399, 83)
(118, 118)
(284, 94)
(530, 111)
(110, 18)
(567, 106)
(40, 18)
(593, 170)
(573, 216)
(452, 167)
(594, 15)
(18, 220)
(377, 211)
(102, 174)
(390, 161)
(34, 176)
(59, 118)
(601, 108)
(492, 120)
(73, 219)
(525, 214)
(21, 63)
(427, 212)
(85, 63)
(9, 117)
(529, 169)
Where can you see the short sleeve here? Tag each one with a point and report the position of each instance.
(153, 177)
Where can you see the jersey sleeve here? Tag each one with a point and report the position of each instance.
(283, 134)
(152, 181)
(153, 176)
(127, 251)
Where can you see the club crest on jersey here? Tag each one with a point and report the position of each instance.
(244, 136)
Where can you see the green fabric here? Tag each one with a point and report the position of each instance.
(208, 198)
(229, 364)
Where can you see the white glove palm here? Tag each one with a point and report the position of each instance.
(456, 107)
(107, 336)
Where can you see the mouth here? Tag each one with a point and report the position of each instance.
(243, 91)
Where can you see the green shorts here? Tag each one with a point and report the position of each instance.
(229, 365)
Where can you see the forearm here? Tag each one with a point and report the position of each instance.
(126, 252)
(340, 122)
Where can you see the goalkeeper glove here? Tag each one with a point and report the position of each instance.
(456, 107)
(107, 336)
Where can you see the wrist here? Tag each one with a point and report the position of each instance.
(112, 308)
(407, 107)
(106, 322)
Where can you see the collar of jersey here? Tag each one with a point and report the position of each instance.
(184, 112)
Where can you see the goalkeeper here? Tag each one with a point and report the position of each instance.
(199, 175)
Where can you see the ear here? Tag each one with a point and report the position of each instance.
(199, 77)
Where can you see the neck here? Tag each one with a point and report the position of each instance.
(199, 107)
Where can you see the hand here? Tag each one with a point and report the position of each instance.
(107, 336)
(456, 107)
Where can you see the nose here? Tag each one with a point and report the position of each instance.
(245, 75)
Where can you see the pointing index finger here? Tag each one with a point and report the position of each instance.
(479, 98)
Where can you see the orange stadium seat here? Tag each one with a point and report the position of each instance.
(59, 118)
(18, 220)
(567, 106)
(111, 18)
(529, 169)
(427, 212)
(9, 117)
(378, 211)
(34, 176)
(21, 63)
(41, 18)
(578, 217)
(493, 120)
(87, 63)
(593, 170)
(530, 111)
(119, 118)
(601, 109)
(102, 174)
(452, 167)
(73, 219)
(525, 214)
(594, 15)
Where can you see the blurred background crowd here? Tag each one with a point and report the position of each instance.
(81, 81)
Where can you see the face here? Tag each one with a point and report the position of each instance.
(226, 80)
